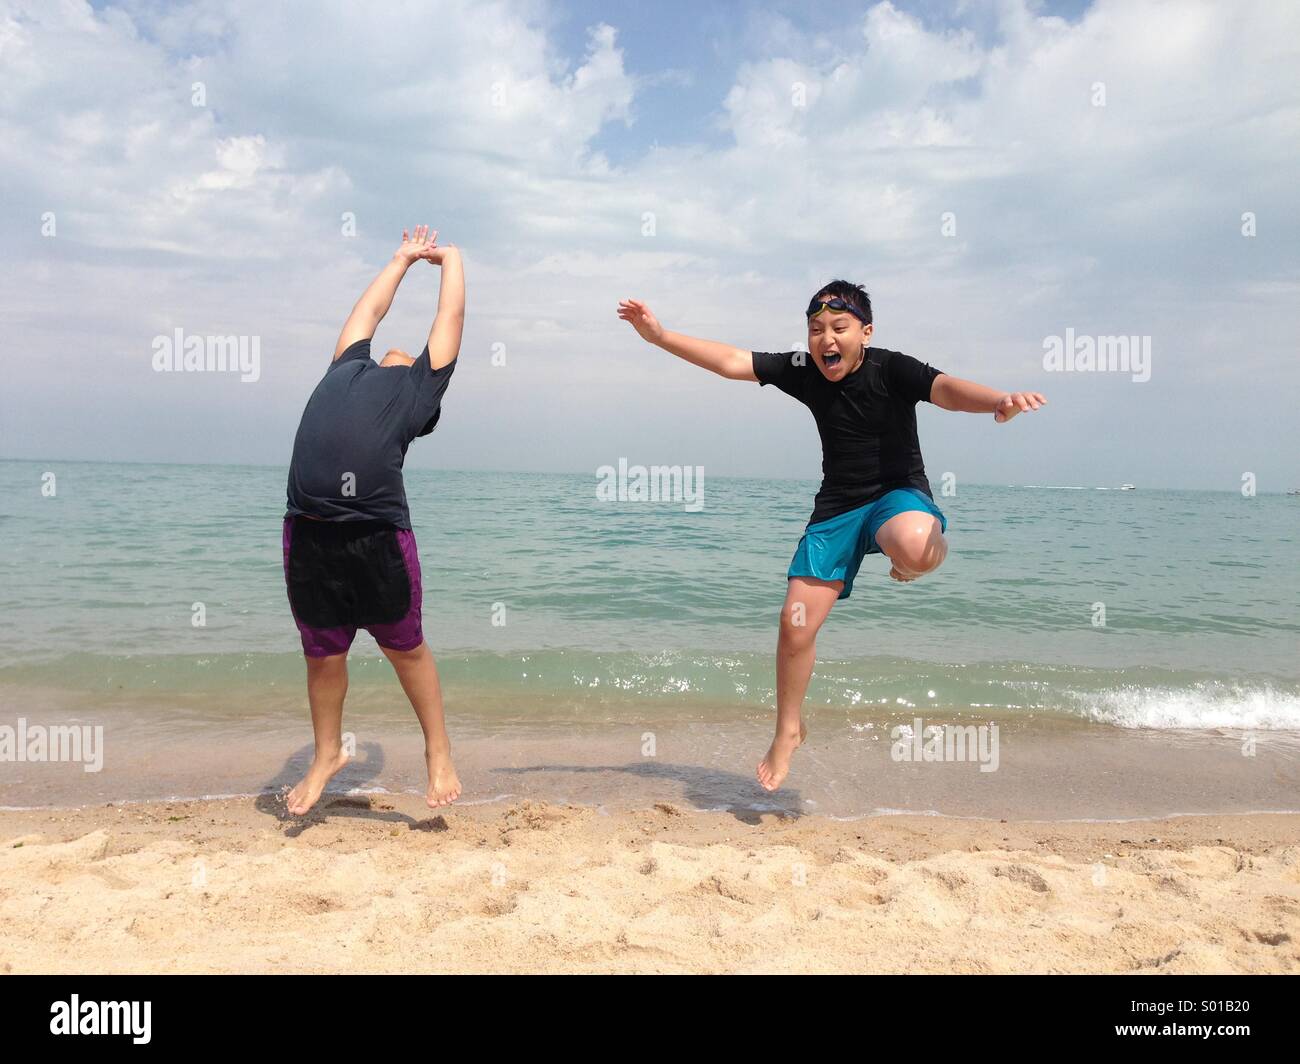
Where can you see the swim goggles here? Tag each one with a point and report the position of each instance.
(836, 304)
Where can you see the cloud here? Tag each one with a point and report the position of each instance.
(843, 152)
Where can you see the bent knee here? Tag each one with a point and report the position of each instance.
(919, 552)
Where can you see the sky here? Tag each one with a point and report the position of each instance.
(996, 173)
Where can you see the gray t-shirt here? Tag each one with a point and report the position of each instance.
(352, 439)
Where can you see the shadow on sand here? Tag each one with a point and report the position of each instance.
(704, 789)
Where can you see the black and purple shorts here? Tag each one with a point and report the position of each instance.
(345, 575)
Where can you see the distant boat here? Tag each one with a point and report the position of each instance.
(1127, 487)
(1294, 491)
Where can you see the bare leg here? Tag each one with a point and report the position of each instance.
(419, 678)
(914, 542)
(808, 603)
(327, 685)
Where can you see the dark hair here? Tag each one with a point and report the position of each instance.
(850, 293)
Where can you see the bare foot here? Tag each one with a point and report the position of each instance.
(773, 769)
(444, 784)
(309, 789)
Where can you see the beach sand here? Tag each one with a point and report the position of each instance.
(380, 884)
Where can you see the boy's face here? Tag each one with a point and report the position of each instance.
(835, 341)
(396, 357)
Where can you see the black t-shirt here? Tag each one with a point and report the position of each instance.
(867, 423)
(352, 440)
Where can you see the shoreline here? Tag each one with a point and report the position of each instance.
(381, 793)
(381, 883)
(1042, 771)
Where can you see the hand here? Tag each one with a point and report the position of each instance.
(416, 247)
(1013, 403)
(638, 315)
(439, 255)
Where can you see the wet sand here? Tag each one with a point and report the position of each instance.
(1045, 769)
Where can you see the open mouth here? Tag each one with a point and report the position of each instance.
(832, 359)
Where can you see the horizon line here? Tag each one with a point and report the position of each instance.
(583, 472)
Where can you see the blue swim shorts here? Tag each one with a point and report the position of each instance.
(834, 549)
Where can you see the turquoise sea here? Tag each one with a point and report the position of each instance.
(561, 618)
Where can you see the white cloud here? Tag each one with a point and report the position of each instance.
(228, 216)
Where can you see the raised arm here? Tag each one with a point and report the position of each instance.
(449, 321)
(734, 363)
(953, 393)
(375, 300)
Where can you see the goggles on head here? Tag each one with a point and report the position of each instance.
(837, 305)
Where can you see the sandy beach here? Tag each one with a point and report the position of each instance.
(378, 884)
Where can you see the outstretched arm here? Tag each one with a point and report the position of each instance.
(953, 393)
(734, 363)
(449, 321)
(375, 300)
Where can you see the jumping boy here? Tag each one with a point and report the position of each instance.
(349, 553)
(874, 496)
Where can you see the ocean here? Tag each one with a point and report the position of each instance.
(1137, 650)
